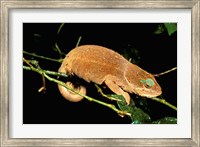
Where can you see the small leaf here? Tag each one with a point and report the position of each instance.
(160, 29)
(137, 115)
(171, 28)
(166, 120)
(142, 103)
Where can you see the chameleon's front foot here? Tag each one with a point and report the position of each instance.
(106, 96)
(117, 89)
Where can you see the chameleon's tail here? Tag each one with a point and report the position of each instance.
(71, 96)
(68, 94)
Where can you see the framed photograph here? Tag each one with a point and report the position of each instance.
(97, 73)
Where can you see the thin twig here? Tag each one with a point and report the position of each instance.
(60, 27)
(56, 48)
(78, 42)
(163, 101)
(42, 57)
(26, 61)
(165, 72)
(43, 88)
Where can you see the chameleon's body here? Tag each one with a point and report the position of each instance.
(101, 65)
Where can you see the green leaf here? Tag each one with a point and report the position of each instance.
(137, 115)
(141, 102)
(166, 120)
(160, 29)
(171, 28)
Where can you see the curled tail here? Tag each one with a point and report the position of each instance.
(69, 95)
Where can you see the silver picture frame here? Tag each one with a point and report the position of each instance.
(7, 5)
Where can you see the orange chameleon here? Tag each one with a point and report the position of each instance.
(102, 65)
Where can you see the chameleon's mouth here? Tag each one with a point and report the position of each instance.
(149, 93)
(153, 95)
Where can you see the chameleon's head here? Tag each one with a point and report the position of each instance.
(148, 87)
(143, 83)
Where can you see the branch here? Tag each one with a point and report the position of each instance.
(165, 72)
(44, 72)
(163, 101)
(78, 42)
(55, 48)
(42, 57)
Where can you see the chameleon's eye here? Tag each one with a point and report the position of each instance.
(147, 86)
(148, 83)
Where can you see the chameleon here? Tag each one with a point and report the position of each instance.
(98, 64)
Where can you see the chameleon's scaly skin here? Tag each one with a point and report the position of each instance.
(99, 64)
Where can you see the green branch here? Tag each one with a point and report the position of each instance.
(44, 73)
(163, 101)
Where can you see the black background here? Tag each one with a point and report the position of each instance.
(157, 52)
